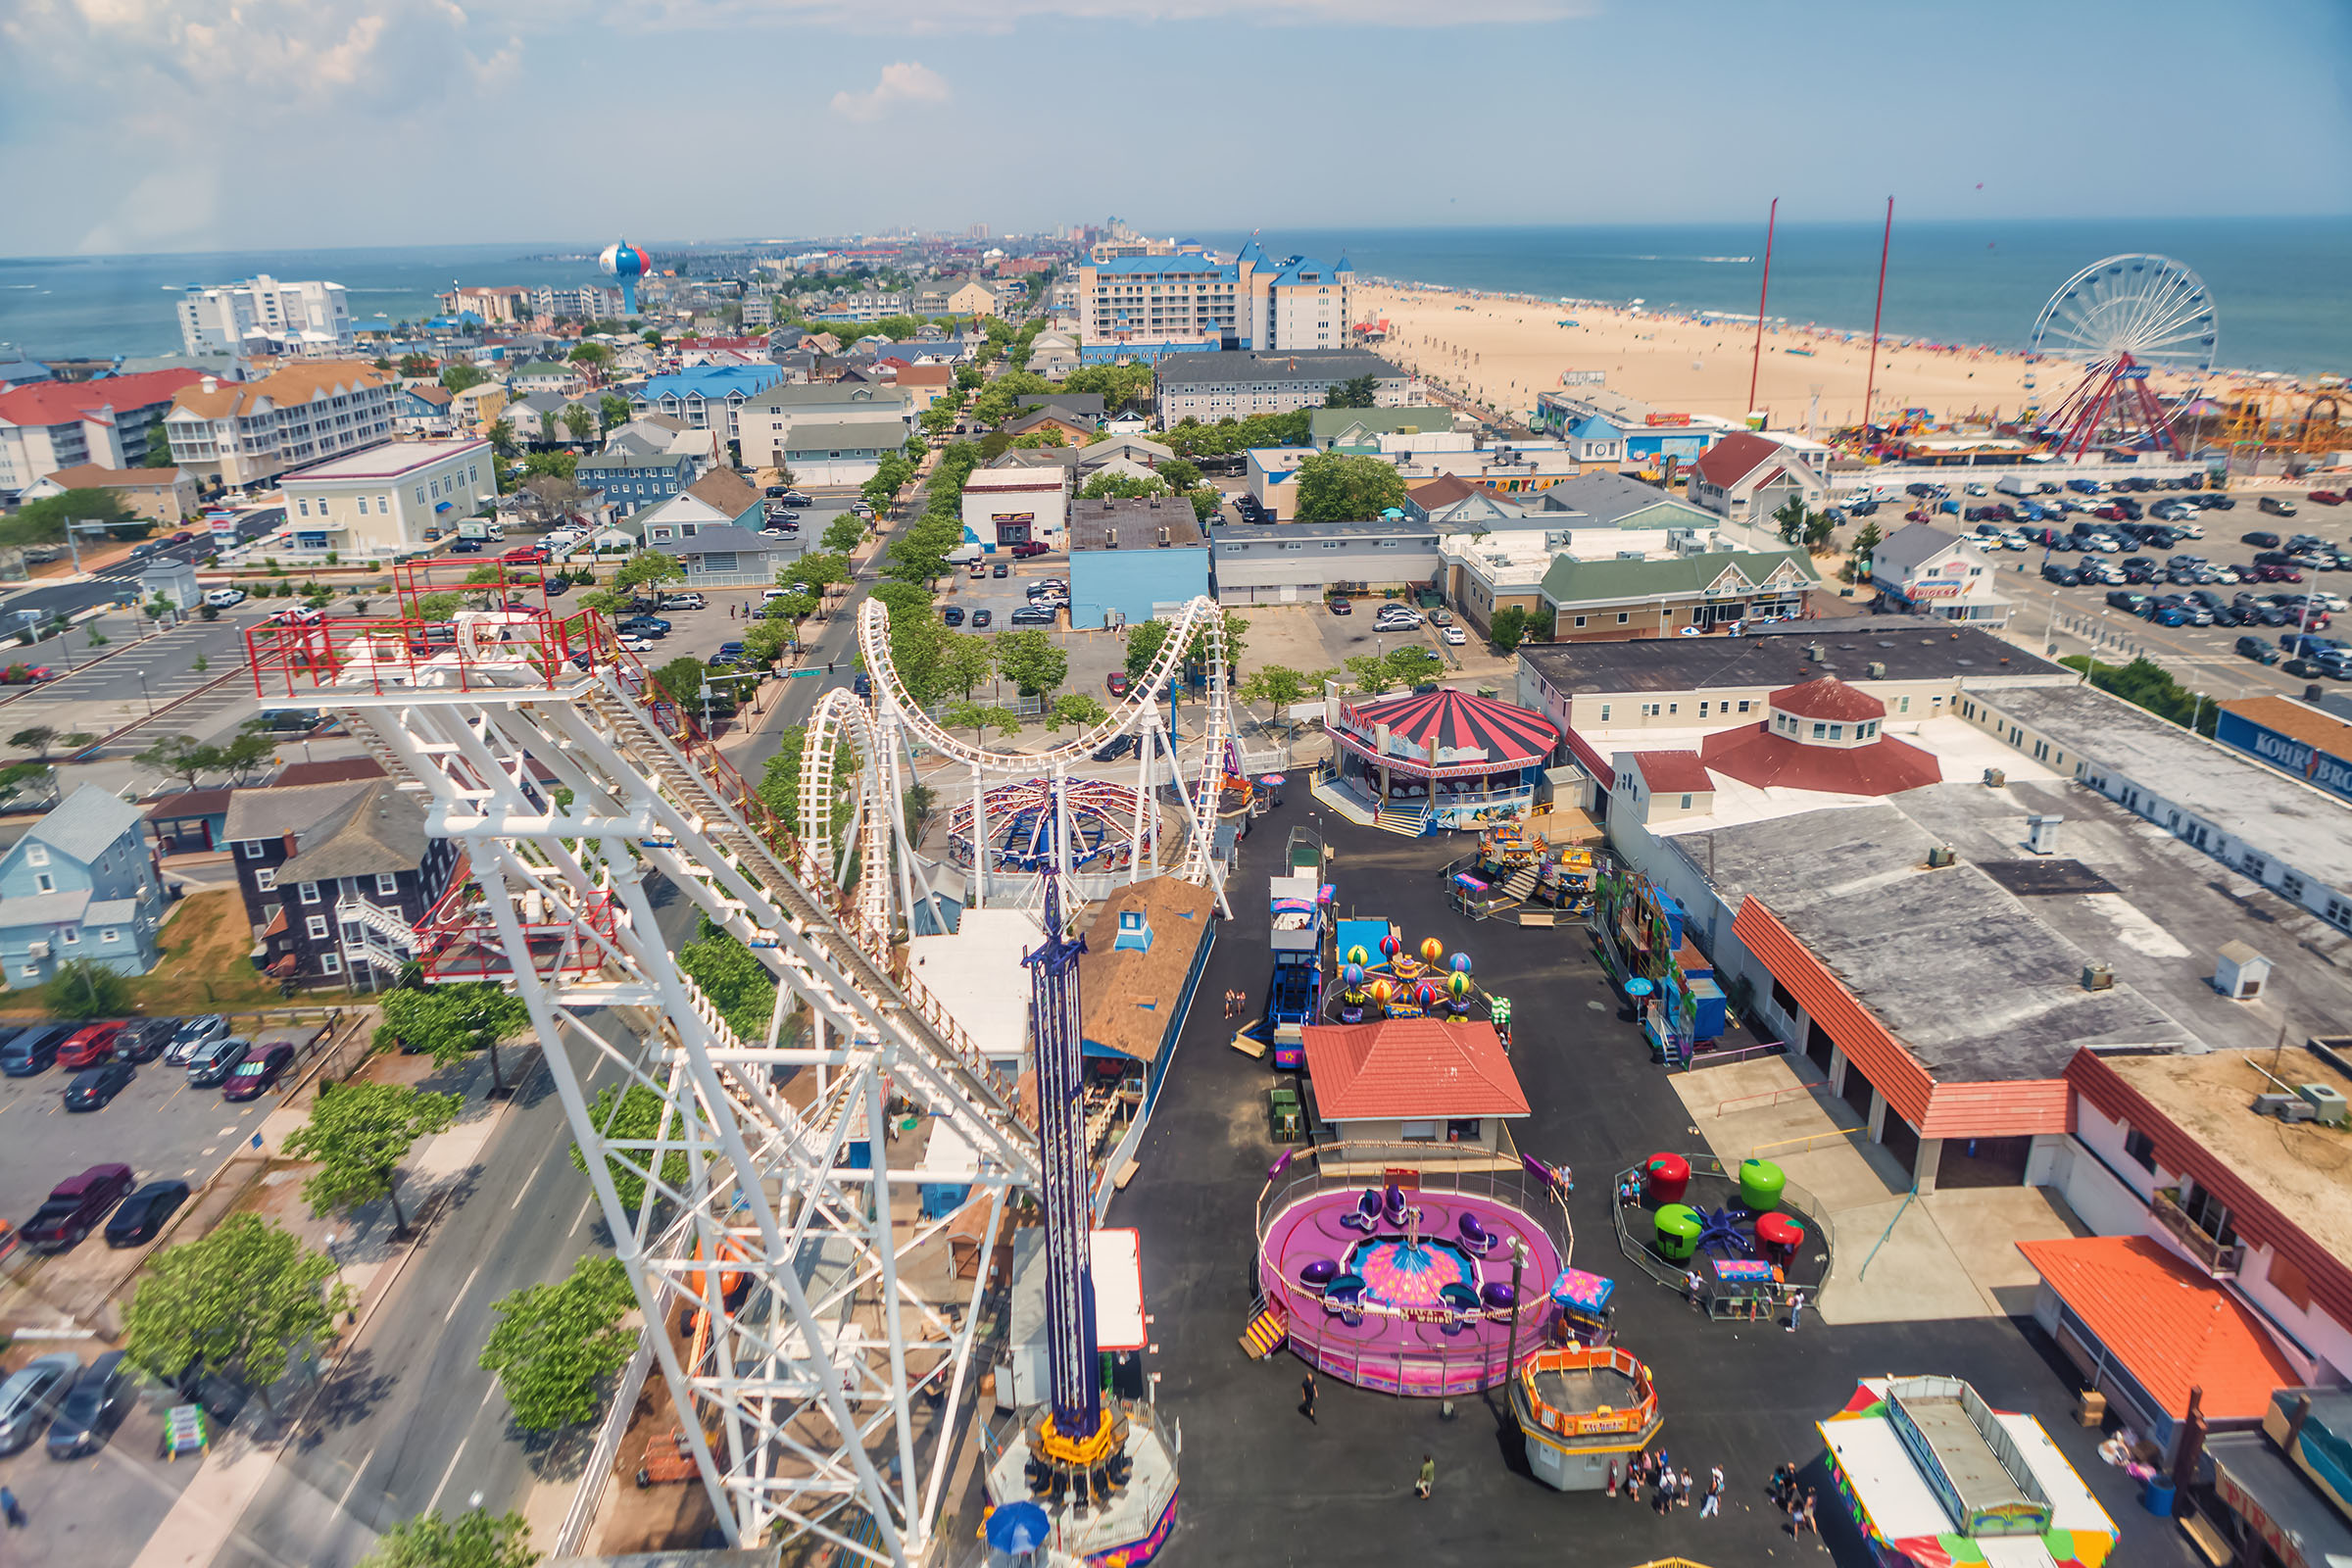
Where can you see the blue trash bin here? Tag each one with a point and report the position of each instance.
(2157, 1496)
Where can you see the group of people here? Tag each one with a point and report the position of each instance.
(1793, 1501)
(1237, 1004)
(1667, 1486)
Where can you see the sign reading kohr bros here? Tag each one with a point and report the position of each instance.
(2312, 764)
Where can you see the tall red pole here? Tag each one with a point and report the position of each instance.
(1757, 365)
(1870, 383)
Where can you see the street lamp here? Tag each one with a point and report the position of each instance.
(1510, 1359)
(145, 696)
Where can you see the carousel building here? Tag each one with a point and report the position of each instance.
(1436, 760)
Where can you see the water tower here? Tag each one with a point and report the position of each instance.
(627, 263)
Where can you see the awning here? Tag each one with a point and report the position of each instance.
(441, 506)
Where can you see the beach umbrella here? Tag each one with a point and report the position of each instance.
(1018, 1527)
(1392, 513)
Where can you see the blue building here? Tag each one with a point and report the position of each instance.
(81, 884)
(2294, 737)
(632, 481)
(708, 397)
(1135, 560)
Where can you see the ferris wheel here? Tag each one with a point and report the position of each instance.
(2125, 316)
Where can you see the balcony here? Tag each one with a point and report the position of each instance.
(2218, 1260)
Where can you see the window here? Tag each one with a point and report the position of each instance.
(316, 925)
(43, 882)
(330, 964)
(1743, 707)
(2140, 1148)
(383, 503)
(302, 506)
(1687, 801)
(1419, 1132)
(2287, 1278)
(2210, 1215)
(1820, 730)
(266, 879)
(32, 968)
(1580, 620)
(310, 891)
(71, 935)
(387, 884)
(1836, 731)
(1902, 705)
(109, 934)
(363, 506)
(421, 495)
(1624, 618)
(2290, 884)
(1702, 710)
(251, 849)
(35, 853)
(1604, 712)
(1784, 998)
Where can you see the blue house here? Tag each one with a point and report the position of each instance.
(1134, 560)
(81, 884)
(708, 397)
(632, 481)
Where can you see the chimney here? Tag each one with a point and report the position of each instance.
(2041, 834)
(211, 383)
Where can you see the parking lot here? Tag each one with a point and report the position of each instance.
(102, 1507)
(160, 1126)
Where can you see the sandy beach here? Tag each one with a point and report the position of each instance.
(1505, 350)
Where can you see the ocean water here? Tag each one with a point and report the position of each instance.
(2282, 287)
(76, 307)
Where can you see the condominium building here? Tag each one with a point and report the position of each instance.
(1143, 306)
(249, 432)
(1297, 303)
(1209, 386)
(710, 397)
(263, 317)
(378, 502)
(63, 425)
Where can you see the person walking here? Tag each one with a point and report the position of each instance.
(1307, 1393)
(1804, 1517)
(1796, 1308)
(12, 1510)
(1612, 1478)
(1428, 1479)
(1707, 1509)
(1692, 1285)
(1683, 1489)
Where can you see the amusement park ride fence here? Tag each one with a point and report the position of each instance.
(1537, 1197)
(1673, 1276)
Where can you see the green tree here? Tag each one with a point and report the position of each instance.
(1144, 639)
(595, 356)
(633, 1117)
(1030, 658)
(554, 1344)
(562, 465)
(437, 607)
(417, 366)
(1792, 518)
(962, 661)
(1075, 709)
(36, 739)
(1372, 673)
(1123, 387)
(472, 1539)
(460, 377)
(1358, 392)
(1413, 663)
(159, 447)
(245, 753)
(1867, 540)
(1509, 628)
(970, 378)
(681, 680)
(1279, 686)
(452, 1022)
(1121, 487)
(940, 416)
(579, 422)
(979, 718)
(1338, 487)
(845, 533)
(2144, 683)
(502, 437)
(180, 757)
(905, 600)
(780, 780)
(242, 1299)
(358, 1135)
(648, 568)
(612, 410)
(85, 988)
(820, 570)
(85, 511)
(737, 983)
(1179, 474)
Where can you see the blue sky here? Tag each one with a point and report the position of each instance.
(190, 124)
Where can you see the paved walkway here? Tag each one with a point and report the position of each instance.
(1949, 1254)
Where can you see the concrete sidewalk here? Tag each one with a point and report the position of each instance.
(1950, 1254)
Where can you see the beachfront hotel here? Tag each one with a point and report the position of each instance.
(1145, 306)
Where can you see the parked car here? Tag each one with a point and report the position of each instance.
(194, 1034)
(465, 547)
(223, 598)
(94, 1088)
(950, 614)
(1118, 746)
(257, 1072)
(642, 627)
(1340, 606)
(145, 1039)
(33, 1051)
(144, 1211)
(32, 1396)
(523, 556)
(74, 1207)
(1002, 568)
(88, 1046)
(2064, 577)
(2259, 650)
(2123, 599)
(1030, 547)
(98, 1397)
(1034, 615)
(1455, 637)
(216, 1061)
(2325, 498)
(1115, 683)
(982, 619)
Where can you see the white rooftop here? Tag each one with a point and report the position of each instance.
(1960, 750)
(387, 462)
(978, 976)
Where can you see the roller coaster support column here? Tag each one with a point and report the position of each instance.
(979, 838)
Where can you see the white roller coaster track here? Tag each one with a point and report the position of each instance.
(810, 1404)
(875, 736)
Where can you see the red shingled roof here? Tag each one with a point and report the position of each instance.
(2170, 1326)
(57, 402)
(1735, 456)
(1673, 772)
(1755, 756)
(1410, 1069)
(1827, 696)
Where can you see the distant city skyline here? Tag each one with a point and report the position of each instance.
(254, 125)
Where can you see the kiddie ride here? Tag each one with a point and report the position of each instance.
(1298, 906)
(1399, 984)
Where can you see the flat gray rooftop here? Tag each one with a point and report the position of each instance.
(2291, 822)
(1984, 982)
(1912, 648)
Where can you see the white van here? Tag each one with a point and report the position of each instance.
(964, 555)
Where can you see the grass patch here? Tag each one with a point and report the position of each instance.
(205, 965)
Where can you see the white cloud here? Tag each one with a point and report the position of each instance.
(903, 17)
(904, 81)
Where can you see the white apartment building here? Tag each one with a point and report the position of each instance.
(1296, 304)
(764, 423)
(249, 432)
(263, 317)
(378, 502)
(52, 425)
